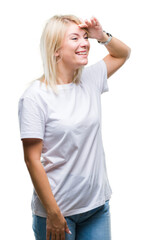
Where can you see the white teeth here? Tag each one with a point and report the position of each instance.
(82, 53)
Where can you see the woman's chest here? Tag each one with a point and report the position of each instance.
(75, 111)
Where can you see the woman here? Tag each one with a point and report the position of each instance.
(60, 124)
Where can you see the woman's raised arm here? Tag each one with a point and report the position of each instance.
(118, 51)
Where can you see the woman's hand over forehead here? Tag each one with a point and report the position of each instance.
(94, 28)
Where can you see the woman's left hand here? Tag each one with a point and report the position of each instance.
(94, 28)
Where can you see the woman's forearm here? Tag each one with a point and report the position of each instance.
(42, 186)
(116, 48)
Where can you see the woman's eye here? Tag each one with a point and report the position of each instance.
(75, 38)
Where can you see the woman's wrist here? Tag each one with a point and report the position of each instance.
(52, 207)
(53, 211)
(104, 38)
(109, 37)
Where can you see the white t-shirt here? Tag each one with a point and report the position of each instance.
(70, 126)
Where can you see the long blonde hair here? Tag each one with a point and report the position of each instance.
(50, 42)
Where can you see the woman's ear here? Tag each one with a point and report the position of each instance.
(56, 53)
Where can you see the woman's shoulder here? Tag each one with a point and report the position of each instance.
(34, 89)
(36, 93)
(34, 98)
(95, 75)
(98, 66)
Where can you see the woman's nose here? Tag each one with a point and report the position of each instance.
(84, 42)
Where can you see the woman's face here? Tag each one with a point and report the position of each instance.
(75, 47)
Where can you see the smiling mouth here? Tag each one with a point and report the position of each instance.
(81, 53)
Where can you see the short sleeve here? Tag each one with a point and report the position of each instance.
(97, 74)
(31, 119)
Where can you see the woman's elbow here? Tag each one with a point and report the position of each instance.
(128, 53)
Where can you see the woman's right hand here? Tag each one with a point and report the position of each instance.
(56, 226)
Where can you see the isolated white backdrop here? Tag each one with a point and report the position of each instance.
(125, 117)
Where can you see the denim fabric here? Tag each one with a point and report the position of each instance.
(92, 225)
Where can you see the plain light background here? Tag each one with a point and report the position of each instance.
(125, 117)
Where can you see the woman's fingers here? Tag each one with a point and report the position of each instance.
(48, 232)
(87, 24)
(54, 237)
(82, 25)
(56, 226)
(93, 21)
(67, 229)
(62, 235)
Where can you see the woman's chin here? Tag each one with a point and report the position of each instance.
(84, 62)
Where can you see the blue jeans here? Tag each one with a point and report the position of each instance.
(92, 225)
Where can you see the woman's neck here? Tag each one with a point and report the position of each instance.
(64, 75)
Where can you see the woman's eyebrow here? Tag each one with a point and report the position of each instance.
(76, 34)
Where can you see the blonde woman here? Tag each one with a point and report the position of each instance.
(60, 126)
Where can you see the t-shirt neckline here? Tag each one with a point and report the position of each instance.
(65, 86)
(59, 86)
